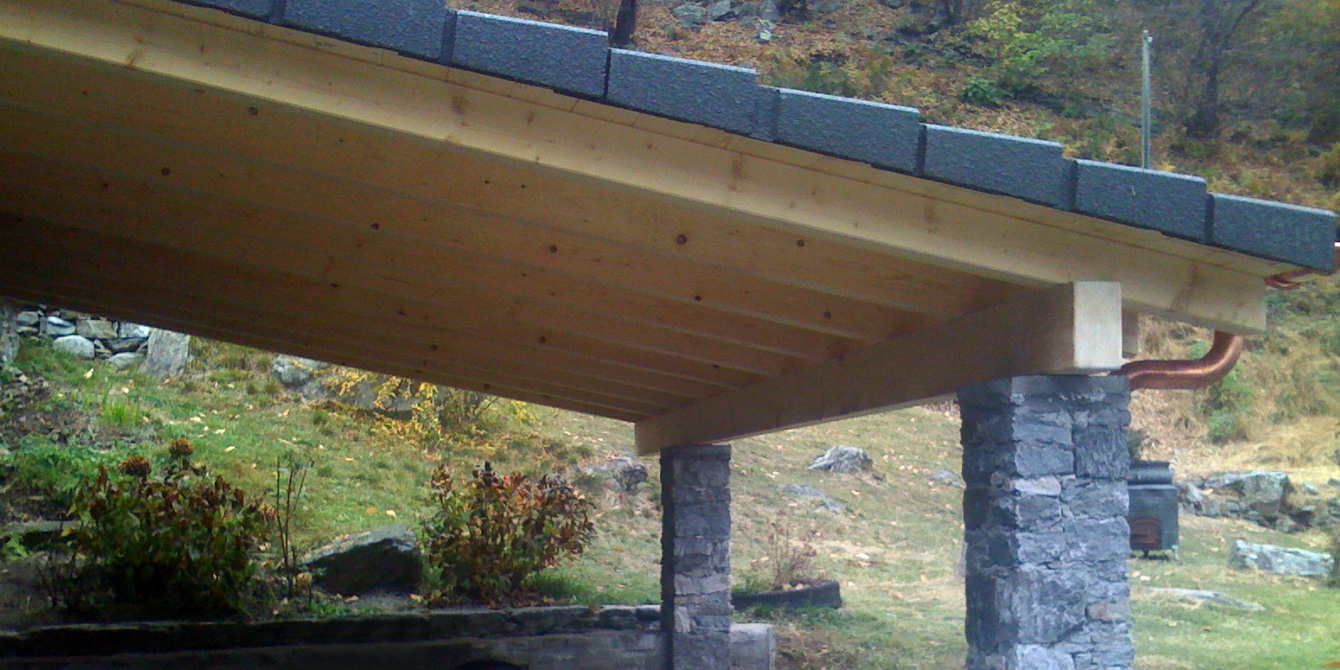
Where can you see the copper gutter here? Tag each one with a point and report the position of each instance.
(1288, 281)
(1192, 374)
(1216, 364)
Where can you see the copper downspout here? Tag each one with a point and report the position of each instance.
(1193, 374)
(1216, 364)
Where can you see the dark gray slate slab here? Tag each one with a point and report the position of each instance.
(1175, 204)
(256, 9)
(713, 95)
(1273, 230)
(1024, 168)
(571, 60)
(411, 27)
(883, 135)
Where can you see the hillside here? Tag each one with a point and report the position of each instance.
(891, 537)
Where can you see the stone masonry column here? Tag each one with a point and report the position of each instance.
(1045, 461)
(695, 556)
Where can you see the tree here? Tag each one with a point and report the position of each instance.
(625, 23)
(1308, 32)
(1218, 23)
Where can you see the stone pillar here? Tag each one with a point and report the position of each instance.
(1045, 461)
(9, 331)
(695, 556)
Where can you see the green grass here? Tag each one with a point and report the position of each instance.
(894, 548)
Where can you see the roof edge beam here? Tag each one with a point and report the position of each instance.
(1073, 328)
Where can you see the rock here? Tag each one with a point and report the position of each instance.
(747, 9)
(1310, 489)
(74, 345)
(719, 10)
(809, 492)
(29, 319)
(765, 30)
(133, 330)
(95, 329)
(948, 477)
(35, 535)
(125, 344)
(767, 10)
(9, 331)
(125, 359)
(1278, 560)
(1189, 498)
(1214, 597)
(385, 558)
(58, 327)
(295, 373)
(166, 354)
(842, 458)
(690, 15)
(1333, 483)
(1262, 491)
(619, 473)
(1285, 524)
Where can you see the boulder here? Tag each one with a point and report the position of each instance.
(385, 558)
(690, 15)
(719, 10)
(74, 345)
(29, 319)
(1278, 560)
(95, 329)
(1262, 491)
(1212, 597)
(618, 473)
(768, 11)
(842, 458)
(166, 353)
(58, 327)
(119, 345)
(125, 359)
(299, 375)
(124, 329)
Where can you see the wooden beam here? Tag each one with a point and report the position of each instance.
(251, 338)
(1070, 329)
(761, 315)
(992, 236)
(277, 332)
(282, 135)
(462, 307)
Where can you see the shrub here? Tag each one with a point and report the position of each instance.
(787, 563)
(492, 531)
(983, 92)
(179, 545)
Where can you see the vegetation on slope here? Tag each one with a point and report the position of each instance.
(893, 543)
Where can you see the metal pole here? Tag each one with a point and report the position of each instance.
(1145, 116)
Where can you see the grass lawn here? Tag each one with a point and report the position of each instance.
(894, 546)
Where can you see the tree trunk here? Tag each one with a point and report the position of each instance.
(625, 23)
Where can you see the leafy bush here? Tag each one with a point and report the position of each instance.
(983, 92)
(179, 545)
(1029, 42)
(1330, 166)
(493, 531)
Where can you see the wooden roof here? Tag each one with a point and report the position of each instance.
(613, 254)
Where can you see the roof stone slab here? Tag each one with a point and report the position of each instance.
(577, 61)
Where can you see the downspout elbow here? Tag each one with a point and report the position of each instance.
(1187, 374)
